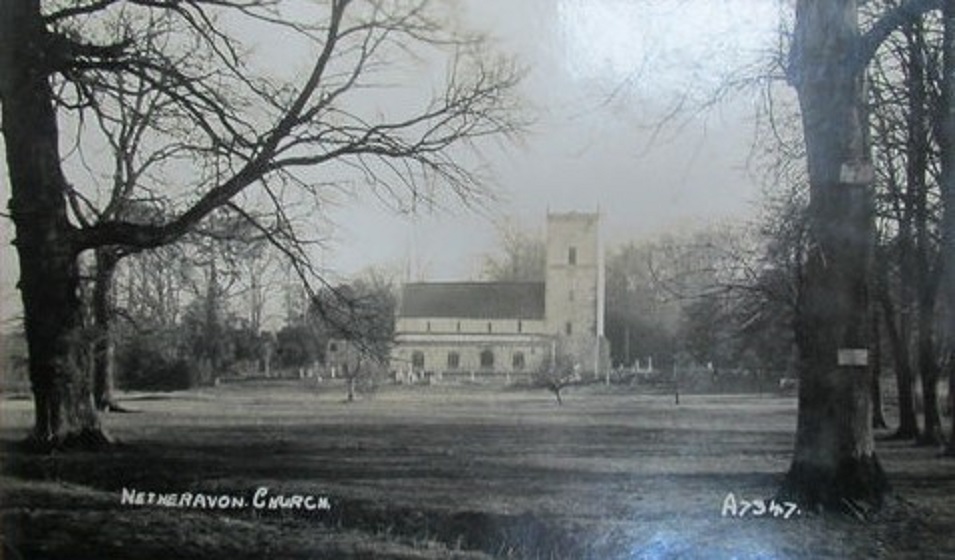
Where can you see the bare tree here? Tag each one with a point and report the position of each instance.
(904, 96)
(641, 314)
(124, 118)
(557, 372)
(241, 130)
(735, 289)
(834, 463)
(259, 272)
(360, 316)
(521, 256)
(947, 138)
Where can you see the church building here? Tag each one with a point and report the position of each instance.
(485, 329)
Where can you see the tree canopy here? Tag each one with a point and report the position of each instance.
(206, 126)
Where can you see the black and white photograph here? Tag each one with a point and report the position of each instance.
(477, 279)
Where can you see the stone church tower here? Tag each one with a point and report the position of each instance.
(574, 292)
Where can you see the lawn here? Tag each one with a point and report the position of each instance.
(447, 472)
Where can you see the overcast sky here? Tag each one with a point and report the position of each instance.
(601, 72)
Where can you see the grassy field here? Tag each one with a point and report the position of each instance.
(448, 472)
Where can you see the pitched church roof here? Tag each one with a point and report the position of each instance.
(473, 300)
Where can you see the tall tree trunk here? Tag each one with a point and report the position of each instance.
(917, 153)
(834, 460)
(947, 142)
(878, 411)
(49, 273)
(929, 371)
(104, 350)
(950, 447)
(898, 318)
(212, 344)
(350, 375)
(899, 340)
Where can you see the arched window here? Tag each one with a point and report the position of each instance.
(487, 359)
(417, 359)
(517, 361)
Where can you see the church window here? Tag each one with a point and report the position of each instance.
(417, 359)
(518, 360)
(454, 360)
(572, 256)
(487, 359)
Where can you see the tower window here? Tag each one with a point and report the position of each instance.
(569, 328)
(572, 255)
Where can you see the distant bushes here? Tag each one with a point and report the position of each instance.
(143, 364)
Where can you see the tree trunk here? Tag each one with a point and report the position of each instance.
(104, 350)
(899, 340)
(878, 408)
(929, 371)
(917, 154)
(49, 273)
(947, 142)
(350, 374)
(950, 447)
(878, 411)
(834, 462)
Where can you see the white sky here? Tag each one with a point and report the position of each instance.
(601, 72)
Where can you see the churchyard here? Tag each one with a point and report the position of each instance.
(288, 469)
